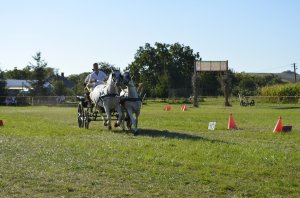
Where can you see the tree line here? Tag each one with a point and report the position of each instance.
(165, 70)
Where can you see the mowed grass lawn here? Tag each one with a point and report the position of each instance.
(44, 154)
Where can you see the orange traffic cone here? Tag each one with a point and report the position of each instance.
(1, 123)
(167, 107)
(183, 108)
(278, 126)
(231, 123)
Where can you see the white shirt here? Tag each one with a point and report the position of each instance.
(97, 78)
(87, 79)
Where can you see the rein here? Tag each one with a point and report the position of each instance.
(108, 95)
(131, 99)
(127, 99)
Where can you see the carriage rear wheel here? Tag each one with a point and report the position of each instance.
(80, 115)
(95, 114)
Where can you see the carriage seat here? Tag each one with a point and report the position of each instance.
(84, 101)
(80, 98)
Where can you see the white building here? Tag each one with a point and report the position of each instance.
(14, 86)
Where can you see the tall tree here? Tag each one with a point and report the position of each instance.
(59, 88)
(106, 67)
(21, 74)
(39, 75)
(78, 80)
(163, 67)
(3, 91)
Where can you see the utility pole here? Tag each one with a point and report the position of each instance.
(295, 68)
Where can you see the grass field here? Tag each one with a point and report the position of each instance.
(44, 154)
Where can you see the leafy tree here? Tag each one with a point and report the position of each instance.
(106, 67)
(59, 88)
(163, 67)
(248, 85)
(271, 79)
(3, 91)
(39, 76)
(78, 80)
(2, 75)
(24, 74)
(209, 83)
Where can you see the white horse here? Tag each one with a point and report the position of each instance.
(107, 96)
(130, 102)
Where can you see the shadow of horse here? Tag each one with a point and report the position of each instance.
(285, 108)
(176, 135)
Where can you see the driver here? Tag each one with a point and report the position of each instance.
(95, 78)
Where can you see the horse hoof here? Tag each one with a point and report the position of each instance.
(109, 127)
(116, 125)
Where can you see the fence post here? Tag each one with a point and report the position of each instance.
(195, 87)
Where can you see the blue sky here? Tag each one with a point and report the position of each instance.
(253, 35)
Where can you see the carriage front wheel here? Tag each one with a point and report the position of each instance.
(86, 120)
(80, 116)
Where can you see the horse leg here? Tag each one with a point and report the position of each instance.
(108, 119)
(102, 116)
(108, 115)
(137, 114)
(127, 120)
(133, 121)
(104, 119)
(136, 123)
(120, 118)
(129, 123)
(123, 119)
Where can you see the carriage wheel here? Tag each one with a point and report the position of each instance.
(86, 119)
(80, 115)
(95, 115)
(243, 103)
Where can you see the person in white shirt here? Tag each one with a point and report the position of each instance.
(95, 78)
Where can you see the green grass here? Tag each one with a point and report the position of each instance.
(44, 154)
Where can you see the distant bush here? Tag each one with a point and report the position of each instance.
(284, 93)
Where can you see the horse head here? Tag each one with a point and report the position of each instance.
(116, 77)
(126, 78)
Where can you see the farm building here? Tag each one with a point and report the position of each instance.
(14, 86)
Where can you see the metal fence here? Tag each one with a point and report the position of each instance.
(38, 100)
(218, 100)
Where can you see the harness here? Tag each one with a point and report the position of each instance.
(108, 95)
(102, 97)
(125, 99)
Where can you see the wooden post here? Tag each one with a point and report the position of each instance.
(226, 83)
(195, 88)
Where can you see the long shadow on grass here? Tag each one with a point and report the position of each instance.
(283, 108)
(176, 135)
